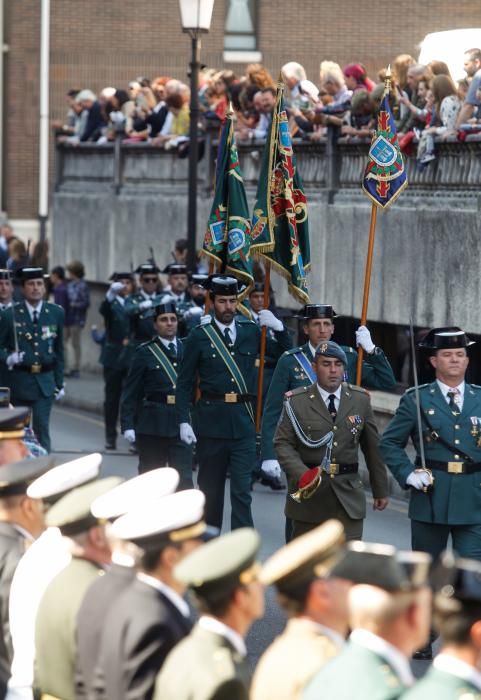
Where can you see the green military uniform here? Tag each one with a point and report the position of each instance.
(141, 324)
(454, 505)
(439, 685)
(224, 415)
(35, 381)
(290, 374)
(342, 495)
(215, 659)
(151, 384)
(115, 357)
(356, 673)
(55, 626)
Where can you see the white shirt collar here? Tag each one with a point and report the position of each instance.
(460, 669)
(325, 394)
(217, 627)
(312, 349)
(334, 636)
(166, 590)
(231, 327)
(147, 296)
(25, 533)
(166, 342)
(445, 388)
(387, 651)
(31, 308)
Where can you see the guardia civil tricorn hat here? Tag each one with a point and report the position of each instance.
(317, 311)
(446, 338)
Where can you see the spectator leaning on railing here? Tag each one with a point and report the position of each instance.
(472, 66)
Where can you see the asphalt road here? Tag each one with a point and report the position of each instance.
(75, 433)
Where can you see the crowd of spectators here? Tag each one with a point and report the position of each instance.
(427, 105)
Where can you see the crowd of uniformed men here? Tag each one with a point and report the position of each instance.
(94, 572)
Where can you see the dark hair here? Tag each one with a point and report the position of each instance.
(454, 624)
(218, 607)
(174, 101)
(181, 244)
(73, 92)
(122, 97)
(59, 271)
(77, 268)
(271, 90)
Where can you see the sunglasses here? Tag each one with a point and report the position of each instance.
(150, 279)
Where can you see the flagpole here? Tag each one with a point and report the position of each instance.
(367, 284)
(207, 299)
(262, 352)
(370, 253)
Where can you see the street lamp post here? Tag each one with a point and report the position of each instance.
(196, 17)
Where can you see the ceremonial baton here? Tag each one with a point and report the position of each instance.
(15, 337)
(418, 408)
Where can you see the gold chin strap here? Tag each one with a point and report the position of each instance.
(12, 434)
(188, 533)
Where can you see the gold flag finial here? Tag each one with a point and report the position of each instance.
(387, 80)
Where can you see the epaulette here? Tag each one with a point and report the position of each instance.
(475, 386)
(413, 388)
(347, 348)
(360, 389)
(292, 351)
(243, 320)
(144, 344)
(295, 392)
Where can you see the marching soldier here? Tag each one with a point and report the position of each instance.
(445, 497)
(31, 346)
(222, 352)
(116, 353)
(55, 625)
(151, 616)
(390, 611)
(151, 383)
(138, 306)
(6, 290)
(317, 444)
(316, 605)
(456, 670)
(197, 292)
(178, 282)
(294, 370)
(223, 578)
(21, 521)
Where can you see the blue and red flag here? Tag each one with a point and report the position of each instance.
(385, 176)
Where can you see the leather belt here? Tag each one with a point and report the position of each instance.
(230, 397)
(159, 397)
(35, 368)
(339, 469)
(452, 467)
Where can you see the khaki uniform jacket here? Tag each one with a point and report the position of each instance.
(353, 428)
(291, 661)
(203, 666)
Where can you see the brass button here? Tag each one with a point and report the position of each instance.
(456, 442)
(456, 456)
(456, 427)
(334, 427)
(335, 444)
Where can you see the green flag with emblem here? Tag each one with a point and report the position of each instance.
(280, 227)
(227, 238)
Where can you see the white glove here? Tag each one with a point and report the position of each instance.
(271, 467)
(129, 435)
(187, 435)
(113, 290)
(15, 358)
(267, 318)
(363, 338)
(418, 480)
(147, 304)
(204, 320)
(59, 393)
(195, 312)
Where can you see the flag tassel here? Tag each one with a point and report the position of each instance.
(262, 352)
(367, 285)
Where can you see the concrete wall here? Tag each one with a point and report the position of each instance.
(427, 251)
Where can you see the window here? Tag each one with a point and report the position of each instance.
(240, 26)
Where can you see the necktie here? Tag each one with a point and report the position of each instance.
(227, 336)
(172, 348)
(332, 406)
(35, 316)
(452, 400)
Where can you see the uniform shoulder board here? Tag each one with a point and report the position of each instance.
(347, 348)
(292, 351)
(295, 392)
(413, 388)
(360, 389)
(51, 303)
(243, 320)
(145, 344)
(475, 386)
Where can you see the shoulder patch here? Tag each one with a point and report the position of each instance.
(292, 351)
(360, 389)
(296, 392)
(413, 388)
